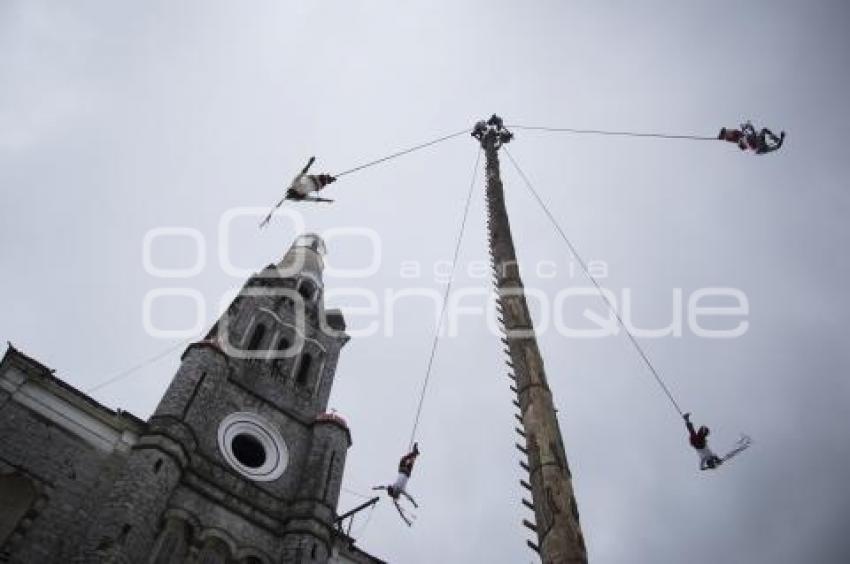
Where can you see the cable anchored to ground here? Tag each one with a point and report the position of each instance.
(403, 152)
(593, 280)
(442, 315)
(132, 370)
(613, 133)
(362, 529)
(355, 493)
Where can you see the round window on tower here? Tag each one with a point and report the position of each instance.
(248, 450)
(252, 446)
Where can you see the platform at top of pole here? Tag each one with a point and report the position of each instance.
(492, 131)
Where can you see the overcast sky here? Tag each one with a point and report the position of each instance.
(117, 118)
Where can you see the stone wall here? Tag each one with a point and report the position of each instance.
(69, 473)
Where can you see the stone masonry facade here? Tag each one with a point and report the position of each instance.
(239, 463)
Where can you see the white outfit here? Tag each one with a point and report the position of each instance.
(304, 184)
(705, 454)
(400, 484)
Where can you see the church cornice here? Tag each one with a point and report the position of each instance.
(266, 515)
(210, 344)
(35, 386)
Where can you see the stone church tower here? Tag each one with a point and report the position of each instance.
(240, 462)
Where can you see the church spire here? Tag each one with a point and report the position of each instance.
(241, 441)
(305, 262)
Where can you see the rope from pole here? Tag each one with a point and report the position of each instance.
(593, 280)
(403, 152)
(442, 315)
(613, 133)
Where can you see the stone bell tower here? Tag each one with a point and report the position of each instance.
(240, 461)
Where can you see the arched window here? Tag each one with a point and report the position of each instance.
(214, 551)
(302, 377)
(280, 361)
(257, 337)
(17, 495)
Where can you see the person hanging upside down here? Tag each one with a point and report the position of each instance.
(765, 141)
(761, 142)
(399, 487)
(479, 130)
(699, 440)
(305, 184)
(733, 136)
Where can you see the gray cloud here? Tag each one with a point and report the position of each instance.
(119, 118)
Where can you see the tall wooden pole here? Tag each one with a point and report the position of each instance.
(559, 536)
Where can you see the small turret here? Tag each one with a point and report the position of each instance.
(305, 261)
